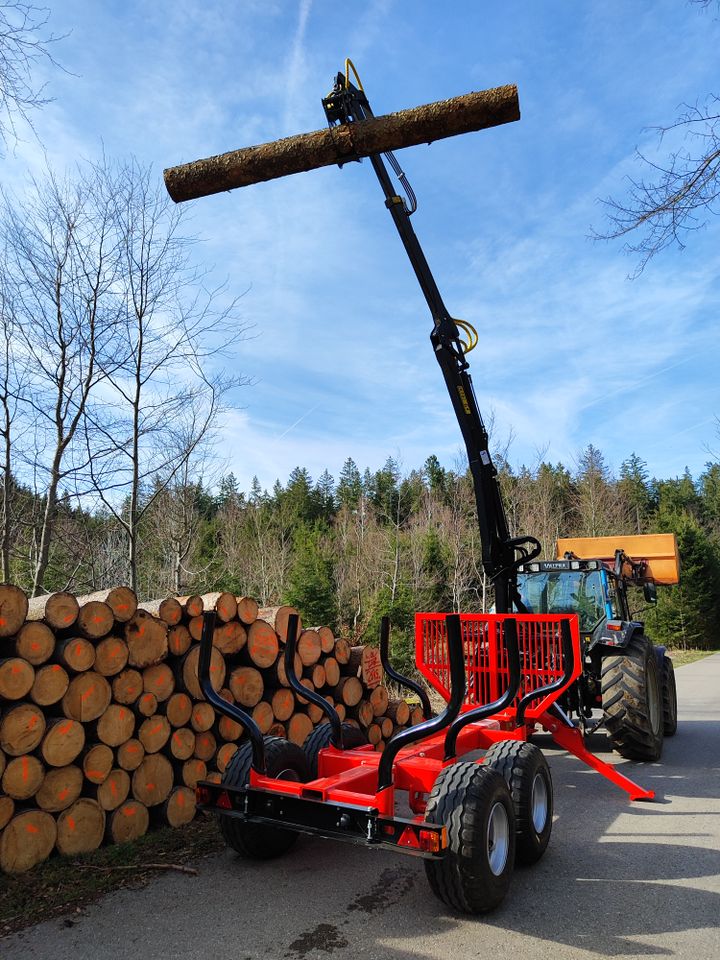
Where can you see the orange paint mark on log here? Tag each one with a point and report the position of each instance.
(68, 618)
(98, 619)
(94, 773)
(122, 606)
(78, 649)
(181, 800)
(35, 645)
(88, 693)
(25, 769)
(150, 786)
(71, 823)
(31, 828)
(3, 622)
(128, 811)
(56, 667)
(32, 722)
(115, 650)
(113, 788)
(141, 631)
(16, 668)
(132, 748)
(66, 728)
(158, 726)
(121, 713)
(63, 793)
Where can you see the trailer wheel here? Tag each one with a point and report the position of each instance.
(527, 774)
(669, 697)
(285, 761)
(320, 738)
(474, 803)
(632, 700)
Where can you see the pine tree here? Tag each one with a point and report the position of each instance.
(311, 586)
(350, 485)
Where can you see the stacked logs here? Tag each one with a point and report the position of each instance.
(103, 727)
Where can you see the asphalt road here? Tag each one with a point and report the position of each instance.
(618, 880)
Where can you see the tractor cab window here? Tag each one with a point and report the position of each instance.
(566, 591)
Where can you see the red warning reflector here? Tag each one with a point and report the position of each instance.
(224, 801)
(408, 838)
(613, 626)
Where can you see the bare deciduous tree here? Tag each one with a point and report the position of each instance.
(24, 41)
(63, 264)
(680, 194)
(161, 403)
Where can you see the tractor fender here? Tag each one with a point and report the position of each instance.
(616, 635)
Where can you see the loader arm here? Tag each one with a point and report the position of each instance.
(501, 553)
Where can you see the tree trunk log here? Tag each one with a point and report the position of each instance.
(147, 640)
(121, 600)
(63, 741)
(190, 671)
(153, 780)
(80, 828)
(230, 638)
(178, 709)
(261, 649)
(202, 717)
(332, 670)
(182, 743)
(205, 746)
(7, 810)
(278, 617)
(94, 620)
(111, 656)
(192, 771)
(127, 686)
(169, 610)
(159, 680)
(247, 686)
(339, 144)
(379, 700)
(129, 822)
(16, 678)
(113, 791)
(116, 725)
(21, 729)
(26, 841)
(224, 755)
(309, 647)
(178, 809)
(283, 704)
(35, 643)
(247, 610)
(154, 733)
(13, 609)
(342, 651)
(87, 697)
(75, 654)
(50, 685)
(398, 711)
(349, 691)
(58, 610)
(263, 716)
(130, 754)
(23, 777)
(179, 640)
(298, 728)
(97, 762)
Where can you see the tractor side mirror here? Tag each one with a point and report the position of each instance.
(650, 593)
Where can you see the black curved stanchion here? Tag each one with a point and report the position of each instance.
(436, 724)
(399, 678)
(311, 695)
(510, 642)
(569, 665)
(222, 706)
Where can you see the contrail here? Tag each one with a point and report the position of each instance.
(299, 420)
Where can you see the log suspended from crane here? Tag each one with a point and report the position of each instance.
(342, 143)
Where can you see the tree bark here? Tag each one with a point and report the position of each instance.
(280, 158)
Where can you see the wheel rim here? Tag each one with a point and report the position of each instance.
(288, 774)
(498, 838)
(539, 803)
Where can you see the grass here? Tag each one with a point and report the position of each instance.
(63, 885)
(681, 657)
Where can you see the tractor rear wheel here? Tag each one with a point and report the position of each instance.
(321, 737)
(527, 775)
(285, 761)
(474, 803)
(669, 697)
(632, 700)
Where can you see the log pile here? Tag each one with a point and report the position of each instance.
(104, 730)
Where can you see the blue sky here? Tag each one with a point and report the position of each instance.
(570, 351)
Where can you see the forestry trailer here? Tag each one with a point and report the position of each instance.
(502, 675)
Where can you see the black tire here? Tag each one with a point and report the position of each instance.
(285, 761)
(669, 697)
(320, 737)
(474, 803)
(632, 700)
(527, 775)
